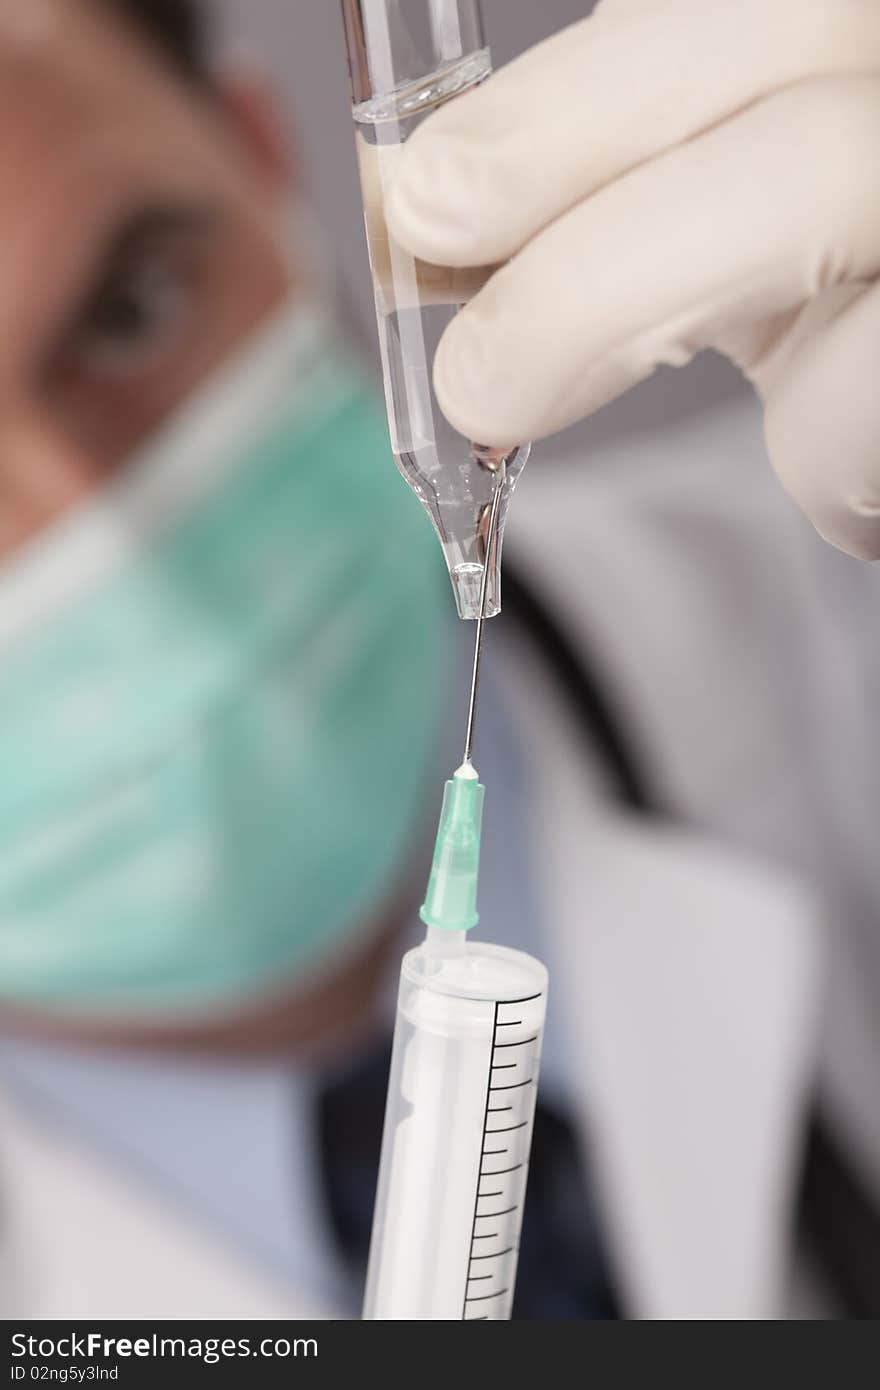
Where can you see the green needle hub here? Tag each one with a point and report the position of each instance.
(451, 900)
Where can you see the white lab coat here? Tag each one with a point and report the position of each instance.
(690, 959)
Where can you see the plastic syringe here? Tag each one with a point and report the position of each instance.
(461, 1101)
(464, 1074)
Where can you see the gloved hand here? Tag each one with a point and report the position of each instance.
(667, 176)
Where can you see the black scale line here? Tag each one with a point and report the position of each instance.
(487, 1110)
(485, 1122)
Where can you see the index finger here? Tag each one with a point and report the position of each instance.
(493, 167)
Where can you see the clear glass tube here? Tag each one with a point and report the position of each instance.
(458, 1131)
(407, 58)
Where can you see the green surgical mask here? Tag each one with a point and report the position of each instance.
(221, 687)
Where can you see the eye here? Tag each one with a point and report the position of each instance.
(133, 315)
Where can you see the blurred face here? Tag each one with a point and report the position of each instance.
(138, 227)
(139, 244)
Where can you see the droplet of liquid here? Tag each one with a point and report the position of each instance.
(491, 458)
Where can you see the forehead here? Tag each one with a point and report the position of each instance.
(91, 120)
(67, 66)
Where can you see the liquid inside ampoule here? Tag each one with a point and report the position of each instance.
(415, 302)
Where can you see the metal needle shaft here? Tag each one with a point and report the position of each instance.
(481, 620)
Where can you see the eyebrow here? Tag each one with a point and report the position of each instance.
(151, 223)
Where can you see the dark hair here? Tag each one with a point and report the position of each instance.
(176, 28)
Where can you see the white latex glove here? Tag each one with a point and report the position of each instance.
(667, 176)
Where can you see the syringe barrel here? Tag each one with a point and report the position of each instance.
(458, 1131)
(392, 43)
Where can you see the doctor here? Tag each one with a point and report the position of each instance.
(209, 667)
